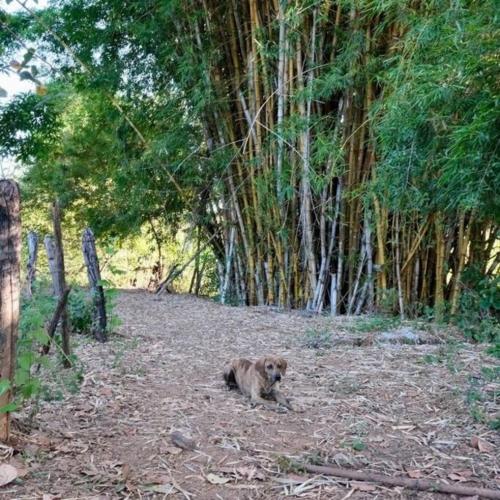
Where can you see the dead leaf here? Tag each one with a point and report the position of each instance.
(106, 391)
(126, 472)
(42, 441)
(363, 486)
(250, 473)
(226, 470)
(414, 473)
(460, 475)
(7, 474)
(214, 479)
(158, 478)
(172, 450)
(481, 445)
(22, 470)
(182, 441)
(162, 488)
(41, 90)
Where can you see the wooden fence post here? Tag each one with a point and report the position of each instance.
(50, 249)
(333, 295)
(32, 258)
(10, 251)
(61, 281)
(94, 275)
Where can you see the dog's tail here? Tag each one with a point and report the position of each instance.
(229, 377)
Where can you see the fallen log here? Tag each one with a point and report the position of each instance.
(414, 484)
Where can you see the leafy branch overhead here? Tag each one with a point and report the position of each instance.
(337, 156)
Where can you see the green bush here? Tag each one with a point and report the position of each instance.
(479, 308)
(36, 312)
(80, 310)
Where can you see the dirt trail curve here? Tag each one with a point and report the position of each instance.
(377, 408)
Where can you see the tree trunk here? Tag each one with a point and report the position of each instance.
(61, 281)
(97, 291)
(10, 250)
(32, 258)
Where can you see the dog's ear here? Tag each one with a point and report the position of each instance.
(283, 363)
(260, 366)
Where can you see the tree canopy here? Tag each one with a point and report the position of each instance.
(340, 154)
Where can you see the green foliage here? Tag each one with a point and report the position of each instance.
(438, 126)
(110, 295)
(479, 396)
(164, 157)
(448, 354)
(36, 311)
(52, 381)
(479, 309)
(377, 323)
(358, 444)
(80, 310)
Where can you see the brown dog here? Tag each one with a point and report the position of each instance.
(258, 380)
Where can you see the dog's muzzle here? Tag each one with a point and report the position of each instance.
(277, 378)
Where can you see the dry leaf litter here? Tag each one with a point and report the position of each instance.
(154, 420)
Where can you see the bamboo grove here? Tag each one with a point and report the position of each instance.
(346, 152)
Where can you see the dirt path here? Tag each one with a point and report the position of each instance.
(382, 409)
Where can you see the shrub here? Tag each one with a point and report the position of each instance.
(80, 310)
(479, 308)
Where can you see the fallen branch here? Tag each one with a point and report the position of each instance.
(414, 484)
(51, 329)
(172, 274)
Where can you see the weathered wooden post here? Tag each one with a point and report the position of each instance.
(32, 258)
(50, 249)
(59, 280)
(333, 295)
(10, 251)
(94, 275)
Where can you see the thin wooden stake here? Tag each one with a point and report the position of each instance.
(10, 252)
(32, 258)
(61, 281)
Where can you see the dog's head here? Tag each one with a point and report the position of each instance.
(272, 368)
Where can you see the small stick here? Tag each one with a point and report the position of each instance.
(414, 484)
(61, 304)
